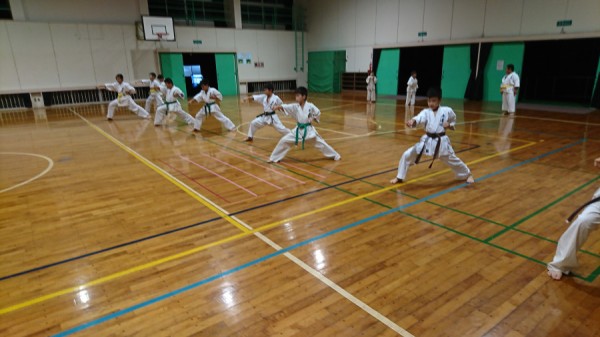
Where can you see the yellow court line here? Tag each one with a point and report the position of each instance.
(234, 237)
(191, 192)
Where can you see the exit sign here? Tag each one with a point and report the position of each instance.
(422, 34)
(564, 23)
(197, 41)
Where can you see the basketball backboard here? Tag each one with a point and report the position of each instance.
(158, 28)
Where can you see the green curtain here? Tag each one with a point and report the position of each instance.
(227, 74)
(509, 53)
(387, 72)
(456, 69)
(325, 70)
(171, 65)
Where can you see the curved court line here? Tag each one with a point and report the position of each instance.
(285, 251)
(244, 234)
(48, 168)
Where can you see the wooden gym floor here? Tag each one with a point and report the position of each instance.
(121, 229)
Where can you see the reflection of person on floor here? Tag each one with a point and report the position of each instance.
(304, 113)
(172, 105)
(509, 89)
(504, 130)
(565, 259)
(411, 88)
(269, 117)
(211, 98)
(409, 113)
(371, 118)
(124, 91)
(435, 120)
(371, 82)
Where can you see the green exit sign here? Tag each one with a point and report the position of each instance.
(197, 41)
(564, 23)
(422, 34)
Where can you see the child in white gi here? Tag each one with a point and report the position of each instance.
(155, 93)
(371, 81)
(509, 89)
(123, 90)
(269, 101)
(172, 105)
(411, 88)
(211, 98)
(435, 120)
(574, 237)
(305, 113)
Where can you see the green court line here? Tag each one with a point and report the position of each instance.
(590, 278)
(544, 208)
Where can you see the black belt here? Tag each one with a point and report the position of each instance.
(266, 114)
(582, 207)
(437, 147)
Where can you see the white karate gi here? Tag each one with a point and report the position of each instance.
(574, 237)
(509, 82)
(371, 92)
(303, 116)
(433, 123)
(155, 95)
(172, 105)
(124, 99)
(212, 108)
(262, 120)
(411, 90)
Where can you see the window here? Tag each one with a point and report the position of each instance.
(5, 13)
(268, 14)
(191, 12)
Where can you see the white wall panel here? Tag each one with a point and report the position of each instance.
(540, 16)
(366, 14)
(438, 19)
(9, 79)
(467, 19)
(386, 24)
(503, 17)
(73, 54)
(585, 15)
(410, 20)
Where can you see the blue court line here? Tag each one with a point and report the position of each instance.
(175, 230)
(297, 245)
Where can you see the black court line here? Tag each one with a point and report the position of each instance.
(175, 230)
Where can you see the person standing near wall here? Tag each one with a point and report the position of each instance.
(509, 89)
(371, 81)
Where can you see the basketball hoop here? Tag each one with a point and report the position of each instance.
(161, 36)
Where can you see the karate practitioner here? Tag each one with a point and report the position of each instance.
(371, 81)
(123, 90)
(172, 105)
(509, 89)
(575, 236)
(305, 113)
(411, 88)
(435, 120)
(269, 117)
(211, 98)
(155, 93)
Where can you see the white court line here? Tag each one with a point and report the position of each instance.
(374, 313)
(50, 165)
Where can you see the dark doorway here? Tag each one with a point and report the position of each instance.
(198, 66)
(559, 71)
(427, 61)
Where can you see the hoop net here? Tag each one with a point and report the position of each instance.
(161, 36)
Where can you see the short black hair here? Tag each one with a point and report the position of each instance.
(434, 92)
(205, 82)
(168, 80)
(510, 66)
(413, 72)
(160, 76)
(302, 91)
(269, 86)
(153, 74)
(119, 76)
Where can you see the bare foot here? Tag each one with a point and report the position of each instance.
(555, 274)
(196, 130)
(396, 181)
(249, 139)
(272, 161)
(338, 157)
(470, 179)
(109, 119)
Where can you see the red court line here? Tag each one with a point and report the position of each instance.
(218, 175)
(267, 168)
(301, 169)
(244, 171)
(195, 181)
